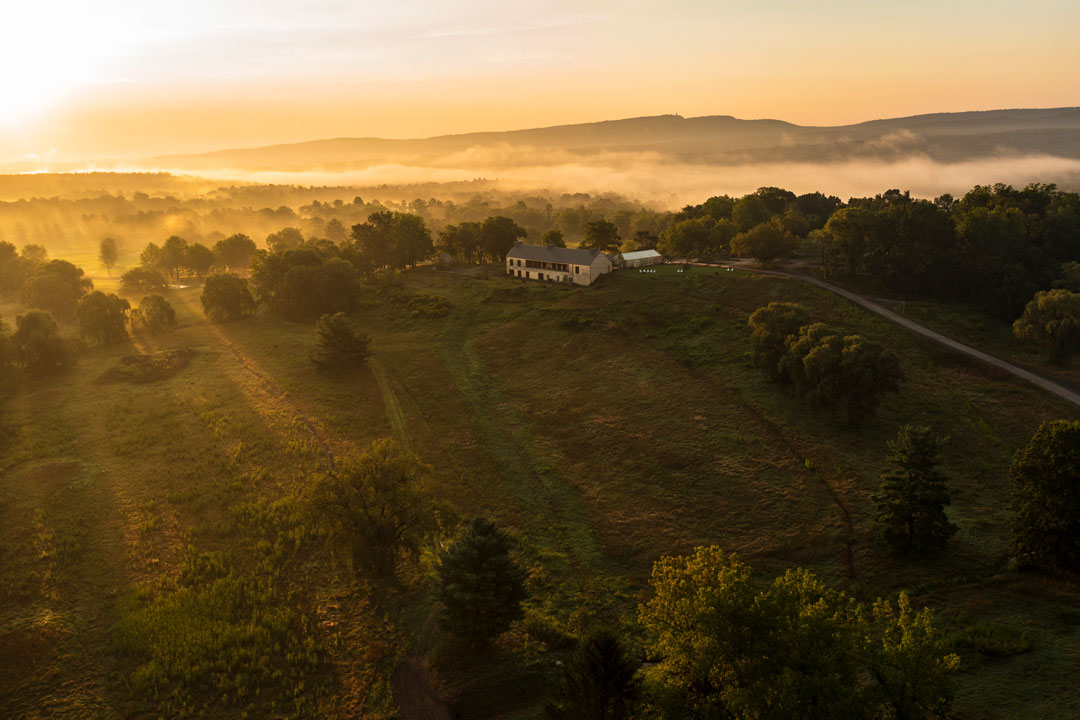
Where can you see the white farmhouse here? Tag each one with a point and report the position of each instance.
(556, 264)
(641, 258)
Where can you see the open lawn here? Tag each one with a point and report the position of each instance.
(156, 559)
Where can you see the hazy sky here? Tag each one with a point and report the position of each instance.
(125, 78)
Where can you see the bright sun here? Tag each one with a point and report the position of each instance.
(48, 50)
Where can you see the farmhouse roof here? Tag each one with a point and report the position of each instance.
(550, 253)
(640, 255)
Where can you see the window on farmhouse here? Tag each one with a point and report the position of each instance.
(577, 269)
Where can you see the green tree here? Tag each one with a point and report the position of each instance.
(764, 242)
(226, 297)
(37, 346)
(602, 235)
(913, 495)
(235, 252)
(141, 279)
(340, 345)
(154, 315)
(598, 683)
(1046, 498)
(749, 212)
(481, 587)
(103, 318)
(56, 286)
(498, 235)
(173, 256)
(286, 238)
(199, 259)
(852, 231)
(150, 257)
(795, 648)
(108, 253)
(376, 506)
(1052, 321)
(770, 328)
(553, 238)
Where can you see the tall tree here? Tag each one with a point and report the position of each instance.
(375, 506)
(913, 495)
(481, 587)
(602, 235)
(108, 253)
(1046, 497)
(853, 231)
(498, 235)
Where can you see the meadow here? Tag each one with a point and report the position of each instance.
(157, 557)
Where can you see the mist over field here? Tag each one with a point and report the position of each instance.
(667, 161)
(666, 185)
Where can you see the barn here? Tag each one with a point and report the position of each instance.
(556, 264)
(641, 258)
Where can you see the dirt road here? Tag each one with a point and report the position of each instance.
(1050, 386)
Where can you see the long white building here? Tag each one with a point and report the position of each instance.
(556, 264)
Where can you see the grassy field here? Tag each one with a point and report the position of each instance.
(156, 559)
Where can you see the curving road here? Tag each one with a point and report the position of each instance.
(1050, 386)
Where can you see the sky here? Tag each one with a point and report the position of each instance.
(96, 79)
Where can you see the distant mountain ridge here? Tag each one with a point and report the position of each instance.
(713, 140)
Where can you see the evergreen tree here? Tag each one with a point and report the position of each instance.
(341, 345)
(912, 498)
(480, 586)
(598, 682)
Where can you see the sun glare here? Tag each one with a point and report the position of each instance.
(49, 50)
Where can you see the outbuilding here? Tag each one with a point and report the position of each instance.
(641, 258)
(556, 264)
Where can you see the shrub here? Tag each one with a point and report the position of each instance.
(428, 306)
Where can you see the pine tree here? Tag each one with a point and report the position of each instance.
(341, 346)
(597, 683)
(912, 498)
(480, 586)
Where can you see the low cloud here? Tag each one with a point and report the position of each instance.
(656, 179)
